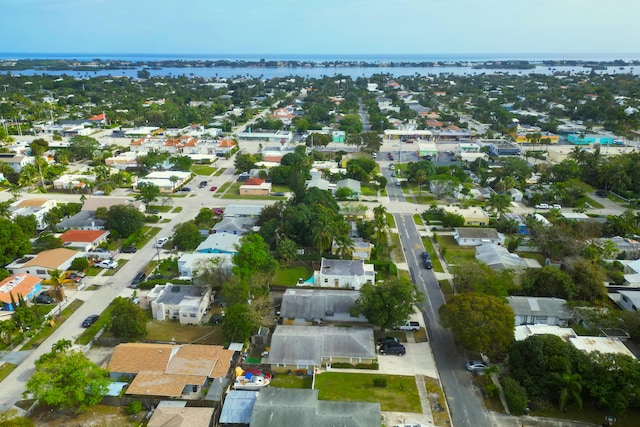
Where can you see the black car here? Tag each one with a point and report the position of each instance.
(203, 184)
(90, 320)
(140, 277)
(185, 189)
(426, 255)
(44, 298)
(387, 340)
(129, 250)
(389, 348)
(427, 264)
(153, 211)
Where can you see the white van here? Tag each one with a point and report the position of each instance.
(543, 206)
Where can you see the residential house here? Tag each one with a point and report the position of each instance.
(588, 139)
(473, 216)
(351, 184)
(500, 147)
(77, 182)
(255, 187)
(86, 218)
(185, 303)
(628, 248)
(287, 407)
(36, 207)
(629, 299)
(338, 136)
(317, 181)
(40, 264)
(84, 240)
(470, 151)
(348, 274)
(477, 236)
(93, 203)
(24, 285)
(238, 408)
(310, 347)
(163, 180)
(535, 310)
(188, 264)
(522, 332)
(281, 136)
(123, 161)
(632, 273)
(174, 415)
(220, 243)
(499, 258)
(246, 211)
(361, 249)
(603, 345)
(515, 194)
(16, 161)
(224, 147)
(169, 370)
(235, 225)
(308, 306)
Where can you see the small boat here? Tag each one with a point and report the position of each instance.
(252, 379)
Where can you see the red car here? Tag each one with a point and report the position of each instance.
(213, 188)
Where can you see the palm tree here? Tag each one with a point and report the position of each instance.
(420, 178)
(322, 233)
(344, 246)
(56, 281)
(570, 387)
(499, 203)
(173, 180)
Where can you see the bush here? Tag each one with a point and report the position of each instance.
(79, 264)
(342, 365)
(373, 366)
(492, 390)
(380, 382)
(516, 395)
(134, 407)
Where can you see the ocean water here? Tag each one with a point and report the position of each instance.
(320, 71)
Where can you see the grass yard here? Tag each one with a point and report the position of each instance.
(369, 191)
(177, 209)
(417, 219)
(47, 330)
(396, 248)
(97, 415)
(453, 252)
(435, 393)
(5, 369)
(170, 330)
(112, 271)
(291, 381)
(288, 276)
(437, 266)
(219, 172)
(160, 208)
(280, 189)
(391, 222)
(204, 170)
(400, 394)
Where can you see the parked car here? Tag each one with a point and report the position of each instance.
(140, 277)
(476, 366)
(44, 298)
(101, 250)
(386, 340)
(185, 189)
(90, 320)
(391, 166)
(203, 184)
(107, 263)
(153, 211)
(214, 188)
(390, 348)
(426, 255)
(409, 326)
(557, 206)
(129, 250)
(393, 175)
(543, 206)
(75, 277)
(156, 276)
(428, 264)
(161, 242)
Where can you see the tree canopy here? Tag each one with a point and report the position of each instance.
(186, 236)
(13, 241)
(479, 322)
(389, 303)
(124, 219)
(127, 320)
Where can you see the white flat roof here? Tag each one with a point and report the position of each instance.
(601, 344)
(525, 331)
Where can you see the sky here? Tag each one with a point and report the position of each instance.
(321, 27)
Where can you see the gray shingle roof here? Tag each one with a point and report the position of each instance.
(477, 233)
(301, 408)
(317, 304)
(539, 306)
(307, 345)
(339, 267)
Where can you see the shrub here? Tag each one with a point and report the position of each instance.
(79, 264)
(515, 394)
(373, 366)
(134, 407)
(380, 382)
(492, 390)
(342, 365)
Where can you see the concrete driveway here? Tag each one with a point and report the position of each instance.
(417, 361)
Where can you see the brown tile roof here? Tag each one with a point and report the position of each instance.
(89, 236)
(137, 357)
(254, 181)
(32, 202)
(51, 259)
(196, 359)
(137, 141)
(159, 384)
(19, 284)
(227, 143)
(171, 416)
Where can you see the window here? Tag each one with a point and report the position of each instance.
(40, 271)
(184, 315)
(192, 315)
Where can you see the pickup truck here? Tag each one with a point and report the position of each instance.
(409, 326)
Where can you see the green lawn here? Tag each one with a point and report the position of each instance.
(112, 271)
(396, 247)
(5, 369)
(204, 170)
(437, 266)
(47, 330)
(400, 394)
(452, 252)
(417, 219)
(93, 271)
(369, 191)
(170, 330)
(291, 381)
(391, 222)
(160, 208)
(177, 209)
(219, 172)
(288, 276)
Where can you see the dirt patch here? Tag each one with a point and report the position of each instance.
(96, 416)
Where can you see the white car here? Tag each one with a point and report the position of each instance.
(161, 242)
(107, 263)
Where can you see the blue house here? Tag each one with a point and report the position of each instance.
(21, 284)
(580, 139)
(220, 243)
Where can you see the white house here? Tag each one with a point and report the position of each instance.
(186, 303)
(188, 264)
(40, 264)
(36, 207)
(477, 236)
(220, 243)
(536, 310)
(629, 300)
(162, 179)
(348, 274)
(16, 161)
(499, 258)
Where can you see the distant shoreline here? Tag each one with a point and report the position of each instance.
(119, 64)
